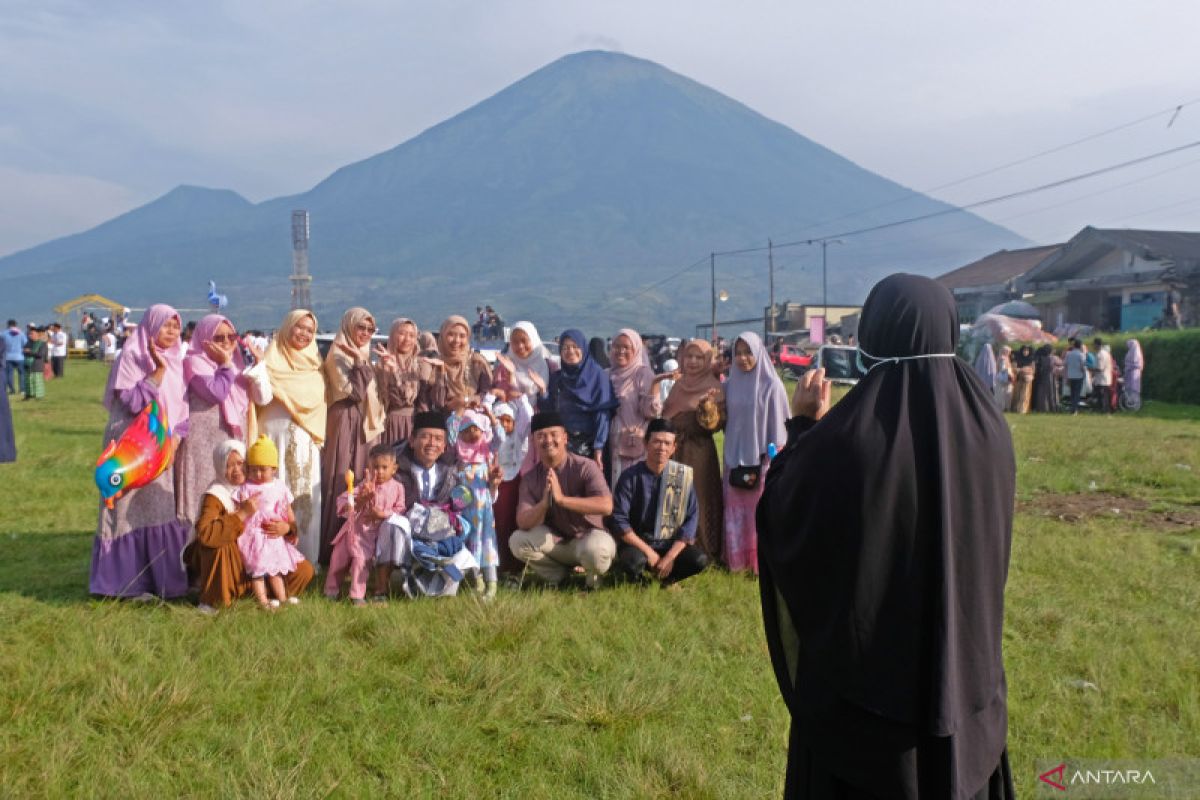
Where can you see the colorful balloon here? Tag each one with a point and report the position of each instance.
(143, 452)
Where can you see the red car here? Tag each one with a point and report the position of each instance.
(791, 358)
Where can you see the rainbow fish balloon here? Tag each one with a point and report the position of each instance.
(142, 453)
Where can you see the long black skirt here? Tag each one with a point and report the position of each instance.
(810, 778)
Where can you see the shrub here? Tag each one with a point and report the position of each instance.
(1172, 362)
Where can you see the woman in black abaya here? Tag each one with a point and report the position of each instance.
(1045, 386)
(884, 535)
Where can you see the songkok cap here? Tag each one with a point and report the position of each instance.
(429, 419)
(262, 453)
(659, 425)
(546, 419)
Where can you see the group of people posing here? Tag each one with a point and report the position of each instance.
(1043, 380)
(415, 465)
(882, 539)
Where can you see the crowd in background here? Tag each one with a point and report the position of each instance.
(1046, 380)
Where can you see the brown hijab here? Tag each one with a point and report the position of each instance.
(338, 365)
(458, 366)
(691, 387)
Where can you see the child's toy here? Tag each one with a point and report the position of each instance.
(143, 452)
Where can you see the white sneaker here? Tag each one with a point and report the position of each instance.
(205, 608)
(274, 604)
(293, 601)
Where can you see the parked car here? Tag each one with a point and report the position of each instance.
(840, 364)
(792, 359)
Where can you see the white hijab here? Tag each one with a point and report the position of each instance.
(221, 488)
(535, 362)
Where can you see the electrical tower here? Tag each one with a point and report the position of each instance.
(301, 280)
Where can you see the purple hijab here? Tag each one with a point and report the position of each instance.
(586, 384)
(985, 365)
(1133, 366)
(135, 363)
(757, 405)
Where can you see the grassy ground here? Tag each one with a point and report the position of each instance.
(624, 693)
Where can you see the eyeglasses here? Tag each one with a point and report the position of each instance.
(365, 326)
(222, 338)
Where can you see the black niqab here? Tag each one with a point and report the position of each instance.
(884, 536)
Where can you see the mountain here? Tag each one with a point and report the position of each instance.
(564, 198)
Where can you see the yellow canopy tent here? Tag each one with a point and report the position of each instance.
(70, 313)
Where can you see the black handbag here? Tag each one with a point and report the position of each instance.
(745, 477)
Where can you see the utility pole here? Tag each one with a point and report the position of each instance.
(825, 281)
(771, 283)
(712, 266)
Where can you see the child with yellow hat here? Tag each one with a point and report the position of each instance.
(268, 525)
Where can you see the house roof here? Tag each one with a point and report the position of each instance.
(997, 269)
(1180, 248)
(1178, 245)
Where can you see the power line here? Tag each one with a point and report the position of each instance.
(991, 200)
(944, 212)
(1173, 110)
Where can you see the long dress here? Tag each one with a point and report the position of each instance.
(8, 440)
(696, 448)
(194, 470)
(346, 447)
(400, 399)
(299, 465)
(139, 542)
(482, 539)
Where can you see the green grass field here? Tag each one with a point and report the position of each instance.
(623, 693)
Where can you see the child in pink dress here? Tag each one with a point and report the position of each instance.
(266, 556)
(376, 499)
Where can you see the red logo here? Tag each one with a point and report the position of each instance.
(1054, 777)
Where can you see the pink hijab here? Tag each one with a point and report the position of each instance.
(630, 383)
(197, 363)
(135, 364)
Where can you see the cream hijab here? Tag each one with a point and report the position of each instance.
(460, 367)
(337, 372)
(296, 380)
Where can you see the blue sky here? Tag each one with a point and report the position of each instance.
(105, 106)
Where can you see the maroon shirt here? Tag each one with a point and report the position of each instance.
(577, 477)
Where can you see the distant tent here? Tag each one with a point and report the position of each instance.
(69, 313)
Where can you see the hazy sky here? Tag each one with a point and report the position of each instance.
(106, 105)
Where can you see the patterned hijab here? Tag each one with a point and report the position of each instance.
(296, 380)
(691, 387)
(457, 363)
(338, 365)
(198, 363)
(135, 364)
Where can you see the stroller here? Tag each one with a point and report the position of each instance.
(432, 557)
